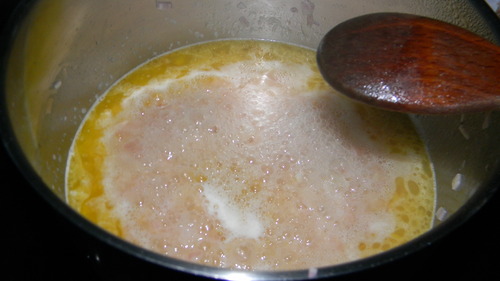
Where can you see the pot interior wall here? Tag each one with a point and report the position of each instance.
(65, 54)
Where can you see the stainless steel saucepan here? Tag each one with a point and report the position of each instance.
(63, 54)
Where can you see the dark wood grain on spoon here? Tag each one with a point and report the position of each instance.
(411, 64)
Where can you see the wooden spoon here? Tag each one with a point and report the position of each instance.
(411, 64)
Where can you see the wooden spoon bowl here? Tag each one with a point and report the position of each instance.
(412, 64)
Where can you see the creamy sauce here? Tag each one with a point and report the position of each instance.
(237, 154)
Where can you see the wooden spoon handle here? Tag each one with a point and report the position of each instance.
(424, 63)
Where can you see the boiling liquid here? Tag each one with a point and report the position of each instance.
(237, 154)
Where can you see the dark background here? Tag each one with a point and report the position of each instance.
(40, 244)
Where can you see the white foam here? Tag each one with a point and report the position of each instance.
(235, 218)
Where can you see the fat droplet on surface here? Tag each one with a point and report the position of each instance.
(164, 5)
